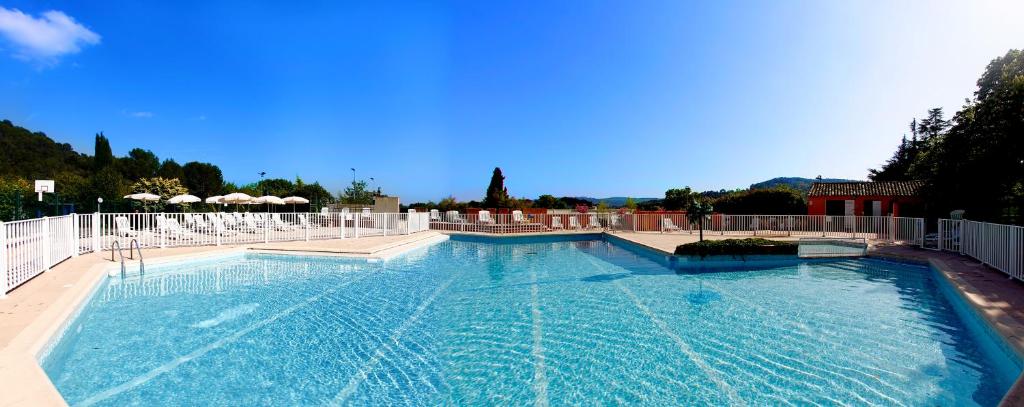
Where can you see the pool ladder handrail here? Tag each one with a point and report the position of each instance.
(134, 243)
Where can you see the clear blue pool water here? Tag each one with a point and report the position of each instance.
(531, 322)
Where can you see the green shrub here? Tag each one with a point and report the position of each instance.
(736, 247)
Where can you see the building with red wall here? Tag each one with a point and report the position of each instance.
(895, 198)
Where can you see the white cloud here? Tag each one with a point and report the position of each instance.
(137, 114)
(46, 38)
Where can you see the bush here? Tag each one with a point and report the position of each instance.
(736, 247)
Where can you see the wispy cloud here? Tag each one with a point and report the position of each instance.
(140, 114)
(44, 38)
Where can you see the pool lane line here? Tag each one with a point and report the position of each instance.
(378, 355)
(540, 378)
(169, 366)
(734, 398)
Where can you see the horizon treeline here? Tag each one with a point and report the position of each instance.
(81, 178)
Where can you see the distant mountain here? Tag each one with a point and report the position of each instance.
(797, 183)
(614, 201)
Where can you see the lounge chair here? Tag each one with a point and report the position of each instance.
(594, 222)
(249, 224)
(279, 224)
(485, 217)
(668, 226)
(517, 217)
(220, 228)
(122, 228)
(174, 230)
(574, 223)
(556, 223)
(454, 217)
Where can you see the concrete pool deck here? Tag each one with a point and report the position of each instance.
(32, 313)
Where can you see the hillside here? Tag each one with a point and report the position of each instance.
(615, 201)
(797, 183)
(33, 155)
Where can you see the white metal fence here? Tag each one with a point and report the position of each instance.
(30, 247)
(893, 229)
(998, 246)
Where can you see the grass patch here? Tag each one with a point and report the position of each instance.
(736, 247)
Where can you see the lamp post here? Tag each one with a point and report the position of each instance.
(99, 202)
(353, 175)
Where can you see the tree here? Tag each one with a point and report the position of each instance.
(165, 187)
(275, 186)
(103, 156)
(976, 160)
(497, 195)
(357, 194)
(139, 164)
(629, 204)
(549, 202)
(677, 199)
(602, 206)
(13, 192)
(780, 200)
(170, 169)
(203, 179)
(109, 185)
(697, 211)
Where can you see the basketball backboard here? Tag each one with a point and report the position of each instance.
(44, 186)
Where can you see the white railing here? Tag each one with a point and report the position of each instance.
(998, 246)
(30, 247)
(891, 229)
(231, 228)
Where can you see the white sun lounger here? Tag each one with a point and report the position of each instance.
(574, 222)
(485, 217)
(556, 222)
(668, 226)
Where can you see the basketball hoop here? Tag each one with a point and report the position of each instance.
(44, 186)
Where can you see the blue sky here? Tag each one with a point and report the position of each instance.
(595, 98)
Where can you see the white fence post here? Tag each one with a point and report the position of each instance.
(73, 236)
(4, 277)
(341, 224)
(46, 243)
(96, 232)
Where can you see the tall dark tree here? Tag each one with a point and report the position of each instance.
(103, 155)
(497, 195)
(139, 164)
(171, 169)
(203, 179)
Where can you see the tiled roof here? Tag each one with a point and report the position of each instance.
(887, 188)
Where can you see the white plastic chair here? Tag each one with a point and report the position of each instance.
(594, 222)
(485, 217)
(122, 228)
(517, 217)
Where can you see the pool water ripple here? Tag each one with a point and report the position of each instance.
(531, 322)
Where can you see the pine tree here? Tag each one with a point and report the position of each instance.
(496, 196)
(103, 155)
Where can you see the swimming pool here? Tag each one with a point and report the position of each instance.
(526, 321)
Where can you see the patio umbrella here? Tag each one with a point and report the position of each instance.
(269, 200)
(215, 201)
(236, 198)
(143, 197)
(293, 200)
(182, 199)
